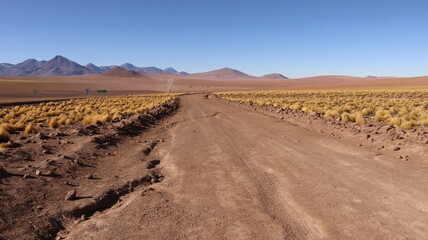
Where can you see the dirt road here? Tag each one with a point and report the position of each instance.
(235, 174)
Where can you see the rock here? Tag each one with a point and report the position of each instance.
(70, 195)
(57, 134)
(47, 152)
(26, 176)
(41, 136)
(3, 172)
(89, 176)
(396, 148)
(50, 162)
(49, 173)
(38, 173)
(399, 157)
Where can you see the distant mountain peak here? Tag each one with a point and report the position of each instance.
(128, 66)
(121, 72)
(62, 66)
(170, 70)
(225, 73)
(274, 76)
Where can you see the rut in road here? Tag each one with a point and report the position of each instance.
(235, 174)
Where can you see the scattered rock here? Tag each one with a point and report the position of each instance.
(47, 152)
(50, 162)
(41, 136)
(71, 195)
(3, 172)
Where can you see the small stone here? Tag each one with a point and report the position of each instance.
(49, 173)
(39, 207)
(50, 161)
(89, 176)
(400, 157)
(83, 217)
(70, 195)
(26, 176)
(396, 148)
(38, 173)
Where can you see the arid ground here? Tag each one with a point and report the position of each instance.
(200, 167)
(210, 169)
(13, 89)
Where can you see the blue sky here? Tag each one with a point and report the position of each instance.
(297, 38)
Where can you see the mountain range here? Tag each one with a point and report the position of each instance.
(61, 66)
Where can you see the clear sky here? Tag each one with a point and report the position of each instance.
(297, 38)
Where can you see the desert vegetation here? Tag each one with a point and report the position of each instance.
(27, 119)
(406, 108)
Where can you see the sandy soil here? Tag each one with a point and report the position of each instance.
(232, 173)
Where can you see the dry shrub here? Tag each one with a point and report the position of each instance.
(359, 119)
(331, 113)
(395, 121)
(30, 129)
(406, 125)
(4, 135)
(53, 123)
(345, 117)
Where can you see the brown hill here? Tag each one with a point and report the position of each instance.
(222, 74)
(274, 76)
(120, 72)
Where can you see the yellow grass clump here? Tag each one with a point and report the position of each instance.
(406, 108)
(4, 135)
(24, 119)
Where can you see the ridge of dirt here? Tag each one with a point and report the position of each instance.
(380, 137)
(101, 163)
